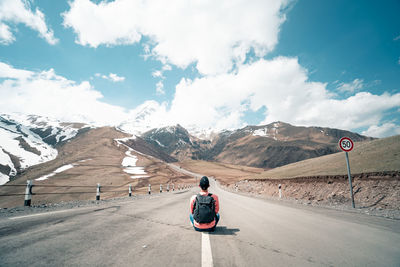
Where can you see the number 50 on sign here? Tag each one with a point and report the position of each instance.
(346, 144)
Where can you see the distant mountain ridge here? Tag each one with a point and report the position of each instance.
(267, 146)
(27, 140)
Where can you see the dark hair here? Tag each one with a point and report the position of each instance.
(204, 183)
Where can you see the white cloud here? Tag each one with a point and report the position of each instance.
(6, 36)
(166, 67)
(160, 73)
(352, 87)
(7, 71)
(115, 78)
(157, 74)
(384, 130)
(160, 88)
(18, 11)
(105, 23)
(111, 77)
(182, 32)
(281, 86)
(46, 93)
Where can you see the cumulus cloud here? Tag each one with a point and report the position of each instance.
(282, 87)
(46, 93)
(384, 130)
(182, 32)
(18, 11)
(7, 71)
(352, 87)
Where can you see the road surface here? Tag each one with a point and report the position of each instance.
(155, 231)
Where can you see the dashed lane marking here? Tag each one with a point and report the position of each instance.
(206, 254)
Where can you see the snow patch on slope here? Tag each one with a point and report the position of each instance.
(61, 169)
(261, 132)
(129, 162)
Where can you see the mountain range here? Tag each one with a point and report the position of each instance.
(27, 140)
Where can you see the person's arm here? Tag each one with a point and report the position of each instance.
(192, 201)
(216, 203)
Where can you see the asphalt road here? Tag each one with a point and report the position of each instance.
(155, 231)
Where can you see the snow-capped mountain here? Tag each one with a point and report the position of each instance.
(145, 117)
(27, 140)
(151, 115)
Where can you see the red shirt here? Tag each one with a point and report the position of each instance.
(204, 225)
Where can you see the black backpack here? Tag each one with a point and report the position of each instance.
(204, 209)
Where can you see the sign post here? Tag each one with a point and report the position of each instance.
(346, 144)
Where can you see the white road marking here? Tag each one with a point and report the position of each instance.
(69, 210)
(206, 254)
(40, 214)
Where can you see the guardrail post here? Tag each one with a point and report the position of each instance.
(98, 192)
(167, 187)
(280, 190)
(160, 188)
(149, 189)
(130, 190)
(28, 193)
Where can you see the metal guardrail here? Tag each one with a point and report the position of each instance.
(29, 186)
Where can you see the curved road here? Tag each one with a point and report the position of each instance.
(155, 231)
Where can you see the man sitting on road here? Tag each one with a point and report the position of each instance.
(204, 208)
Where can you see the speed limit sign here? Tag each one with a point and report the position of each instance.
(346, 144)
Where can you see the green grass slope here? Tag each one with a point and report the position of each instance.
(372, 156)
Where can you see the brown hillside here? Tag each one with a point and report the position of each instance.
(97, 158)
(373, 156)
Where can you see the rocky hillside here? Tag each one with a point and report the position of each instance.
(276, 144)
(268, 146)
(177, 142)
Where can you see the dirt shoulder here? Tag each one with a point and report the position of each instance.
(374, 193)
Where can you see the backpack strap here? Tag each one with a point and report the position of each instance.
(213, 201)
(196, 200)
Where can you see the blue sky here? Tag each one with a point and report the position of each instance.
(334, 63)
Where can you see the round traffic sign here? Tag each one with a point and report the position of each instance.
(346, 144)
